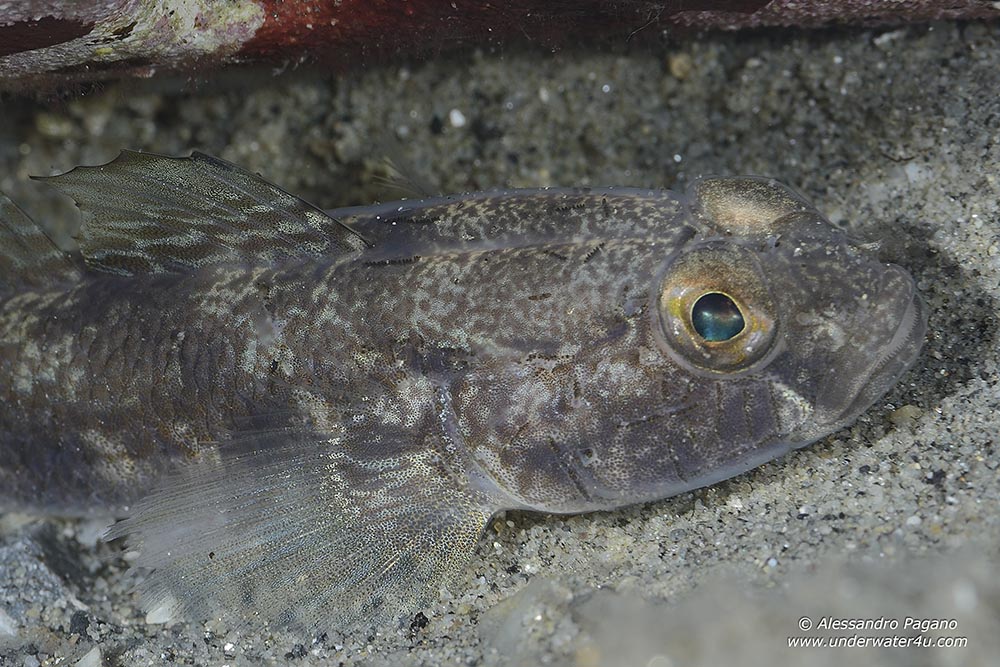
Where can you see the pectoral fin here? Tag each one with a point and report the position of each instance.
(293, 530)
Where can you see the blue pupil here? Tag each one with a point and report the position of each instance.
(716, 318)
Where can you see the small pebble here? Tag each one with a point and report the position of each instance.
(456, 118)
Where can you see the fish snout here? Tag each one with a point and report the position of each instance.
(884, 343)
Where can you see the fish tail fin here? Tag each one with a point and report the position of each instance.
(27, 254)
(302, 535)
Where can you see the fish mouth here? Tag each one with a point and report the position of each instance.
(869, 363)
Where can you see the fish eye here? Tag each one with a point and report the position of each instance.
(716, 317)
(714, 312)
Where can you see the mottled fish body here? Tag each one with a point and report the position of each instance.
(331, 406)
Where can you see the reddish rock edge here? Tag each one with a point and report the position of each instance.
(45, 43)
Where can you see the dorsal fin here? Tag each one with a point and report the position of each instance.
(149, 213)
(27, 255)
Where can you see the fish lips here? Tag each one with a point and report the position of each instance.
(882, 346)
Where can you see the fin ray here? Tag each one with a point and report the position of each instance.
(27, 254)
(149, 213)
(288, 527)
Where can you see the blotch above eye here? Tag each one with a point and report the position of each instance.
(747, 205)
(714, 311)
(716, 317)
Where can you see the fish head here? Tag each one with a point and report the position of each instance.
(769, 329)
(784, 296)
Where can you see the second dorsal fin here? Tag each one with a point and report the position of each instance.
(149, 213)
